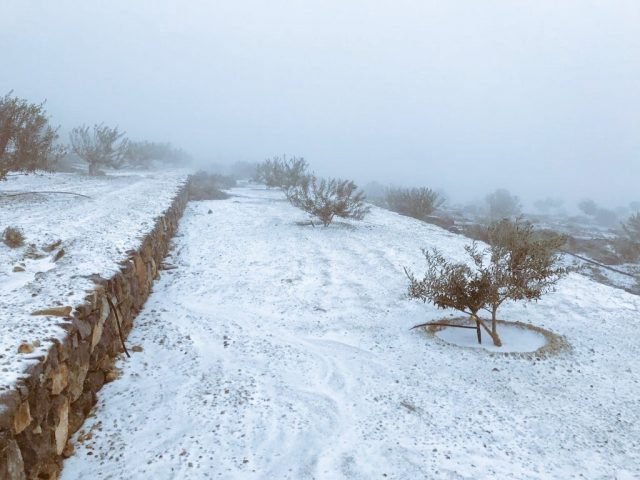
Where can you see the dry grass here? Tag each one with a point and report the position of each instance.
(13, 237)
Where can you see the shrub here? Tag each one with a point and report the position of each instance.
(142, 154)
(326, 199)
(502, 204)
(13, 237)
(518, 265)
(27, 139)
(588, 207)
(628, 246)
(632, 227)
(99, 146)
(282, 172)
(418, 203)
(208, 186)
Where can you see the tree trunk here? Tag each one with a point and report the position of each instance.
(492, 333)
(494, 327)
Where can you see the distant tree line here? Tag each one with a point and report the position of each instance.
(29, 142)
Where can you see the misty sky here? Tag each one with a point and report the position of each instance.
(536, 96)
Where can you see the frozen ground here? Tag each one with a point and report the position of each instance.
(514, 338)
(95, 234)
(279, 351)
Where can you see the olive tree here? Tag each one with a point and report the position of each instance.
(328, 198)
(99, 146)
(283, 173)
(502, 204)
(28, 142)
(413, 202)
(519, 264)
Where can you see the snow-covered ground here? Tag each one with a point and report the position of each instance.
(95, 234)
(280, 351)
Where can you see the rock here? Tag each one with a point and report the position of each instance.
(54, 312)
(59, 379)
(137, 348)
(11, 463)
(18, 268)
(68, 450)
(52, 246)
(59, 255)
(22, 417)
(25, 348)
(112, 375)
(61, 431)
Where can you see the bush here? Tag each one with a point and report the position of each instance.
(142, 154)
(13, 237)
(518, 265)
(632, 227)
(628, 246)
(99, 146)
(282, 173)
(588, 207)
(327, 199)
(208, 186)
(418, 203)
(502, 204)
(27, 139)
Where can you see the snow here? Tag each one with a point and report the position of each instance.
(514, 339)
(95, 233)
(281, 351)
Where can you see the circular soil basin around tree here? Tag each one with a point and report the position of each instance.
(518, 338)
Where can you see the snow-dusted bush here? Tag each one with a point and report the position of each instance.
(413, 202)
(328, 198)
(28, 142)
(519, 265)
(282, 172)
(13, 237)
(100, 146)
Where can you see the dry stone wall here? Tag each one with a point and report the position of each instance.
(39, 416)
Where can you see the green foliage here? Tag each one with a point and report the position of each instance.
(99, 146)
(27, 140)
(418, 203)
(327, 199)
(519, 265)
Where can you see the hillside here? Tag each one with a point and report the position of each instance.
(276, 350)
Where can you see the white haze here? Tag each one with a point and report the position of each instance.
(541, 97)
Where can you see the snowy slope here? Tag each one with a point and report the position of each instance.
(279, 351)
(95, 234)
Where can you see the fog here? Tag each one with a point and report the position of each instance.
(540, 97)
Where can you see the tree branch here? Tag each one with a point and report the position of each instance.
(47, 192)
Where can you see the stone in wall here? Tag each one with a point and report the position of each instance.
(39, 416)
